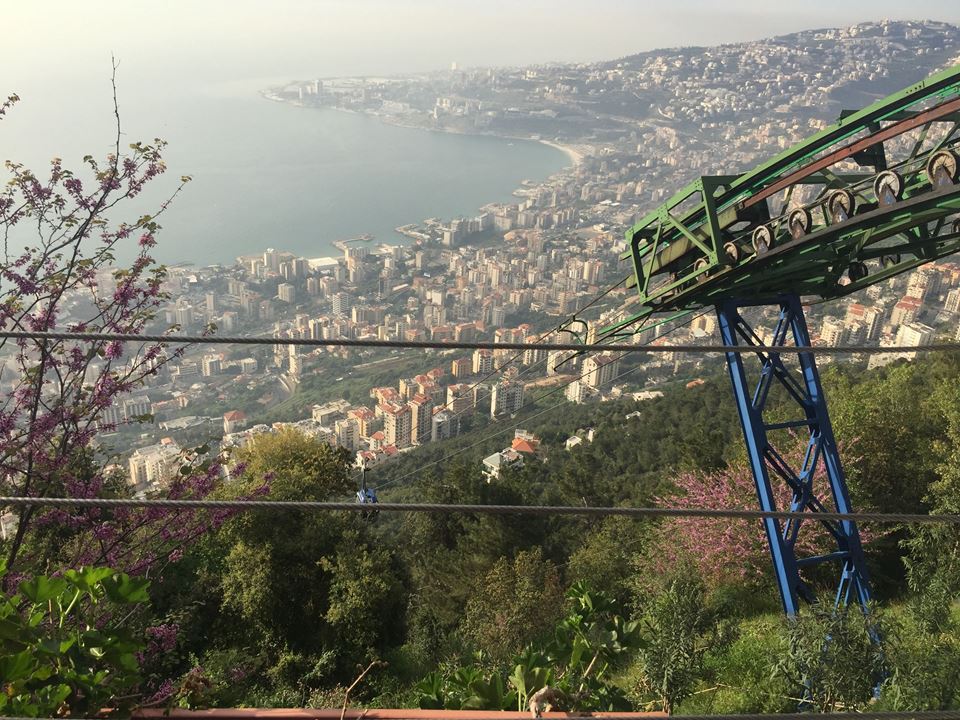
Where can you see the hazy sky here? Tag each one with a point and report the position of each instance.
(277, 38)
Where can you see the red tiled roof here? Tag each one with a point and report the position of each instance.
(908, 301)
(524, 446)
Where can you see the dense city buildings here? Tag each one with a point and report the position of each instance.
(514, 271)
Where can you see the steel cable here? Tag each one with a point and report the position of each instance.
(481, 345)
(590, 511)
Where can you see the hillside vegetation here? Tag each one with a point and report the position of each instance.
(480, 611)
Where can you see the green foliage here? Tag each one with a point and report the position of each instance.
(893, 469)
(365, 597)
(924, 664)
(282, 607)
(832, 659)
(738, 674)
(675, 628)
(59, 655)
(515, 604)
(603, 560)
(466, 688)
(587, 645)
(294, 465)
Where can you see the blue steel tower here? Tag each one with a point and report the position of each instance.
(803, 225)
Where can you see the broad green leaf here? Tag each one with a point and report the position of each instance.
(87, 579)
(11, 630)
(18, 666)
(55, 695)
(124, 589)
(42, 588)
(52, 646)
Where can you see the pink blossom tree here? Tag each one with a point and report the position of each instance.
(63, 275)
(725, 551)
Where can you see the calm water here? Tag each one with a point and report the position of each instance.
(267, 174)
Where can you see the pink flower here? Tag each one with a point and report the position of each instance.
(113, 350)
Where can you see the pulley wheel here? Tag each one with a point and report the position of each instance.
(841, 205)
(888, 261)
(799, 222)
(701, 264)
(942, 168)
(762, 239)
(888, 187)
(857, 271)
(732, 251)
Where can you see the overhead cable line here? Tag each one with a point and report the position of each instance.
(483, 345)
(535, 344)
(593, 511)
(525, 420)
(500, 431)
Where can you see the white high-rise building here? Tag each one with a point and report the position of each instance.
(562, 359)
(287, 293)
(342, 304)
(506, 397)
(600, 370)
(918, 334)
(211, 365)
(295, 360)
(396, 424)
(482, 362)
(154, 465)
(953, 301)
(833, 331)
(421, 413)
(576, 392)
(348, 434)
(271, 258)
(444, 424)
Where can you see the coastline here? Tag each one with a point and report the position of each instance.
(405, 234)
(575, 156)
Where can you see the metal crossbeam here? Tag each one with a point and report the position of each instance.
(821, 456)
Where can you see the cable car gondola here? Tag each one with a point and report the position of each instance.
(365, 495)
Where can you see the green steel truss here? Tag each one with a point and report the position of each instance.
(869, 197)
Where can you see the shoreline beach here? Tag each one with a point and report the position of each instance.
(576, 156)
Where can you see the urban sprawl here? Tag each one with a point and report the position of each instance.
(636, 129)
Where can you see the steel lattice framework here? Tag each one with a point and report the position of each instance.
(872, 196)
(768, 463)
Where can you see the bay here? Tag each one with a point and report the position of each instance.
(269, 174)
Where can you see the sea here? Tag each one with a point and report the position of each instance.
(265, 173)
